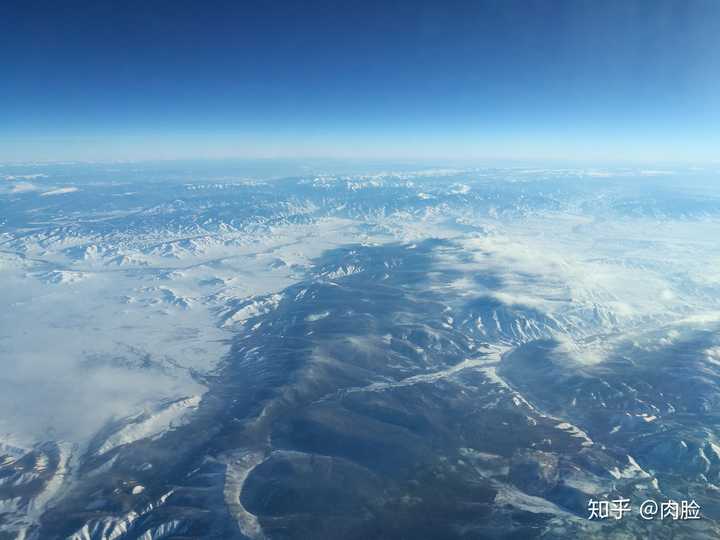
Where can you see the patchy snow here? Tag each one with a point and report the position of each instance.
(151, 424)
(115, 527)
(317, 316)
(252, 308)
(239, 465)
(575, 432)
(508, 495)
(59, 191)
(633, 470)
(60, 277)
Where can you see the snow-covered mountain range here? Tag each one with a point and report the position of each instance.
(189, 353)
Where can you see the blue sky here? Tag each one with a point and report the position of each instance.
(480, 80)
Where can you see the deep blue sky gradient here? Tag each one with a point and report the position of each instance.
(575, 79)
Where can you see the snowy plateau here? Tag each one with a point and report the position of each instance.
(197, 351)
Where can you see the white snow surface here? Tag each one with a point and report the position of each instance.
(151, 424)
